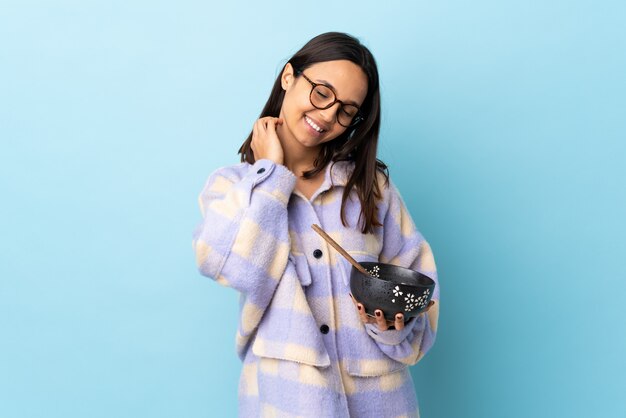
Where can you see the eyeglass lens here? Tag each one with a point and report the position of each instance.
(323, 97)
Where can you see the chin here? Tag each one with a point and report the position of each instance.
(309, 143)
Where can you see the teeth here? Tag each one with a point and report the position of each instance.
(313, 125)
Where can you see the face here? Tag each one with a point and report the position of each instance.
(303, 122)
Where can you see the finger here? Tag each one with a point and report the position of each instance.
(380, 320)
(259, 127)
(271, 125)
(276, 121)
(430, 305)
(265, 121)
(362, 313)
(399, 322)
(273, 119)
(252, 142)
(255, 129)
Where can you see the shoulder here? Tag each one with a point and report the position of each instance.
(388, 189)
(391, 203)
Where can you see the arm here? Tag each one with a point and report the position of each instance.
(243, 239)
(403, 245)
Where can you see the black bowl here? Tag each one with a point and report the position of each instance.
(395, 290)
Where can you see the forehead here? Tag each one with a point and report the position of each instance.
(347, 79)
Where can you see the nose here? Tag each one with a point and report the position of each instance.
(329, 115)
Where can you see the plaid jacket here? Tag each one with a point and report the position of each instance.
(305, 351)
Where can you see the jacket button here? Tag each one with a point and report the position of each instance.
(324, 329)
(317, 253)
(261, 171)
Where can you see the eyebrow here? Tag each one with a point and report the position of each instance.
(352, 102)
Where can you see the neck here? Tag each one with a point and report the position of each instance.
(297, 158)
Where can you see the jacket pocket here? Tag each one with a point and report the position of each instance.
(288, 330)
(373, 367)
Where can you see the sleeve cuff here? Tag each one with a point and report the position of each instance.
(393, 336)
(272, 178)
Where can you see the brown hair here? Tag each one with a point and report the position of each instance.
(357, 144)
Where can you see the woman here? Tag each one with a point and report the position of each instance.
(308, 348)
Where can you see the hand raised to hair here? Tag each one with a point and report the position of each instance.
(265, 143)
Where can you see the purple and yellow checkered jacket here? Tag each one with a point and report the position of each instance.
(304, 349)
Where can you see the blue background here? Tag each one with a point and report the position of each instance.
(503, 125)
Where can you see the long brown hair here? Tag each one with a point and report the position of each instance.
(357, 144)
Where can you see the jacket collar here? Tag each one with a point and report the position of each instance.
(336, 174)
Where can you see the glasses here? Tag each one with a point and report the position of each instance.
(323, 97)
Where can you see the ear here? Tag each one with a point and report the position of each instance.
(287, 78)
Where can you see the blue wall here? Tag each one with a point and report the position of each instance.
(504, 127)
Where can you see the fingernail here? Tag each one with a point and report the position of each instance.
(377, 313)
(358, 307)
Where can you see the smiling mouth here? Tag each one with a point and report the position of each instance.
(313, 124)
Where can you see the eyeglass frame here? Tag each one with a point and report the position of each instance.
(355, 120)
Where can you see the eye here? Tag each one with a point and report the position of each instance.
(321, 94)
(349, 113)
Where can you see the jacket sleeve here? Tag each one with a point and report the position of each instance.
(243, 239)
(405, 246)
